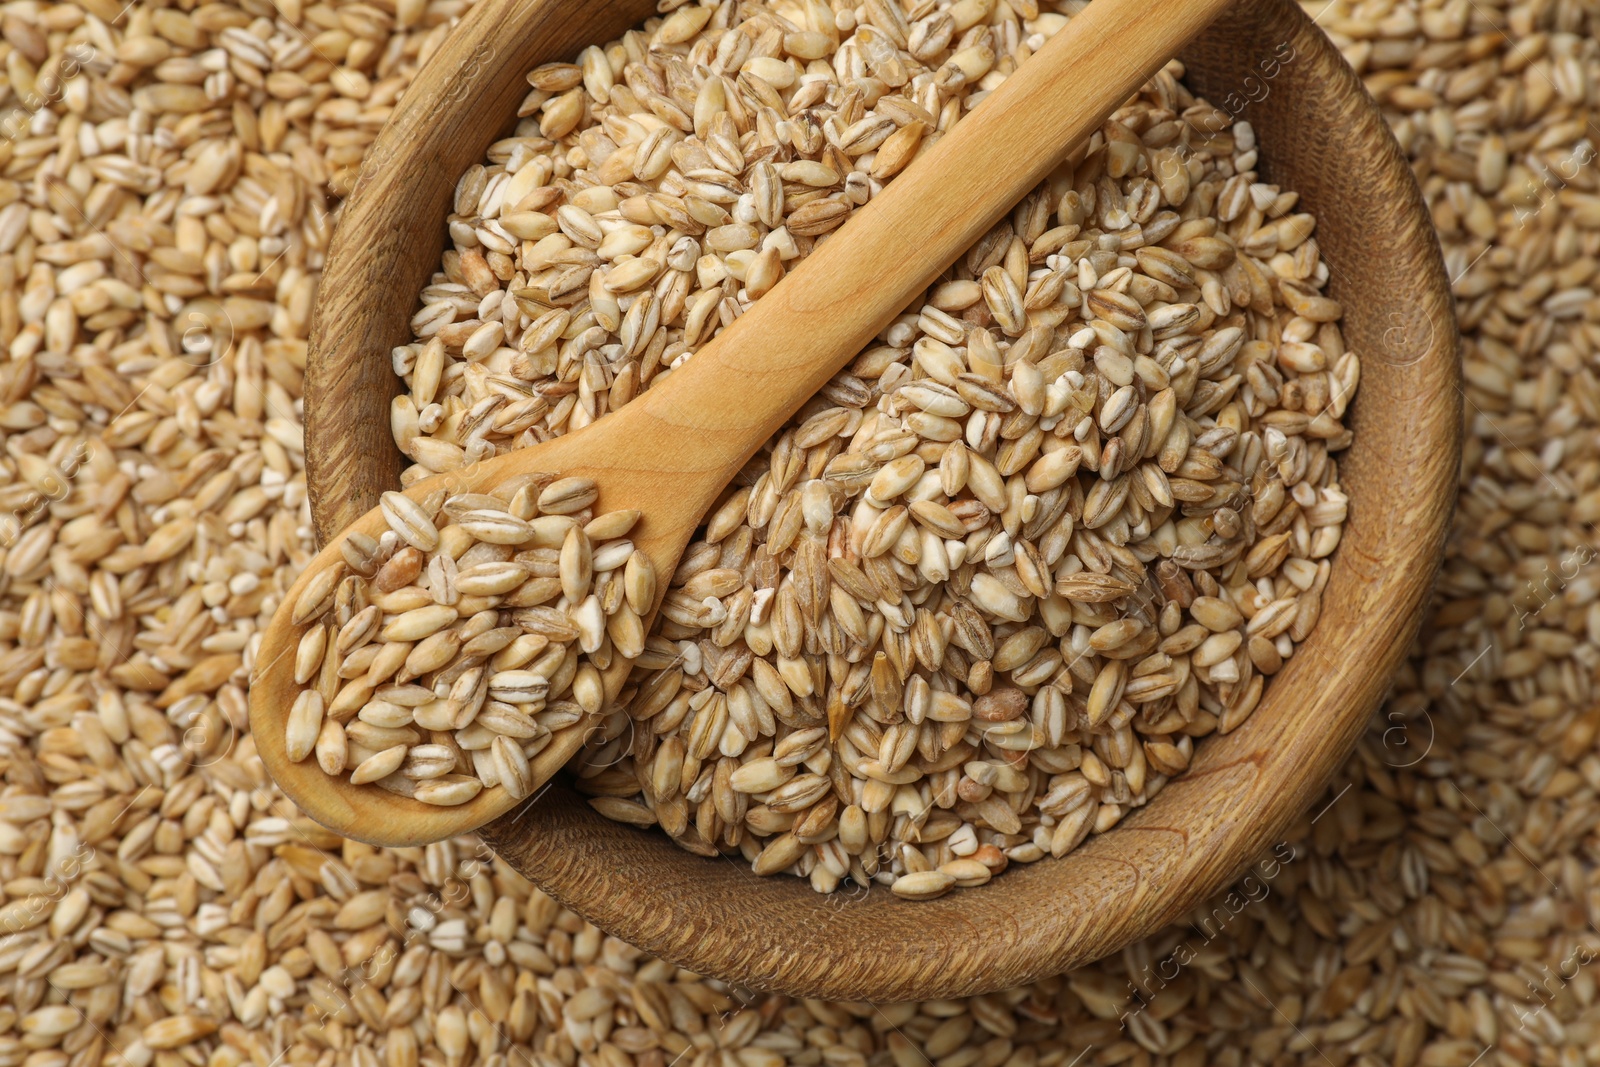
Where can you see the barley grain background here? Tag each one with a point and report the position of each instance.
(168, 178)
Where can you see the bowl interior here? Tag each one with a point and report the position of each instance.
(1265, 62)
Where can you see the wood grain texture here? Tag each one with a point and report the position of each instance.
(1320, 135)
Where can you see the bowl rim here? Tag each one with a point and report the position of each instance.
(1163, 859)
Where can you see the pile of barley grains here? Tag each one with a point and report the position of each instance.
(473, 629)
(162, 904)
(982, 595)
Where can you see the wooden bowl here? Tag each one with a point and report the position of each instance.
(1321, 135)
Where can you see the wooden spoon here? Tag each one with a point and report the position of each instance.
(671, 452)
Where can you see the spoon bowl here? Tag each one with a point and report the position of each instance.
(1320, 134)
(367, 813)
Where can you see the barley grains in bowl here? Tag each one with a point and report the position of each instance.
(984, 594)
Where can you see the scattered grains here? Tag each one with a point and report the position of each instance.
(1439, 909)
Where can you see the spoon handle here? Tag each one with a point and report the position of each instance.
(736, 391)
